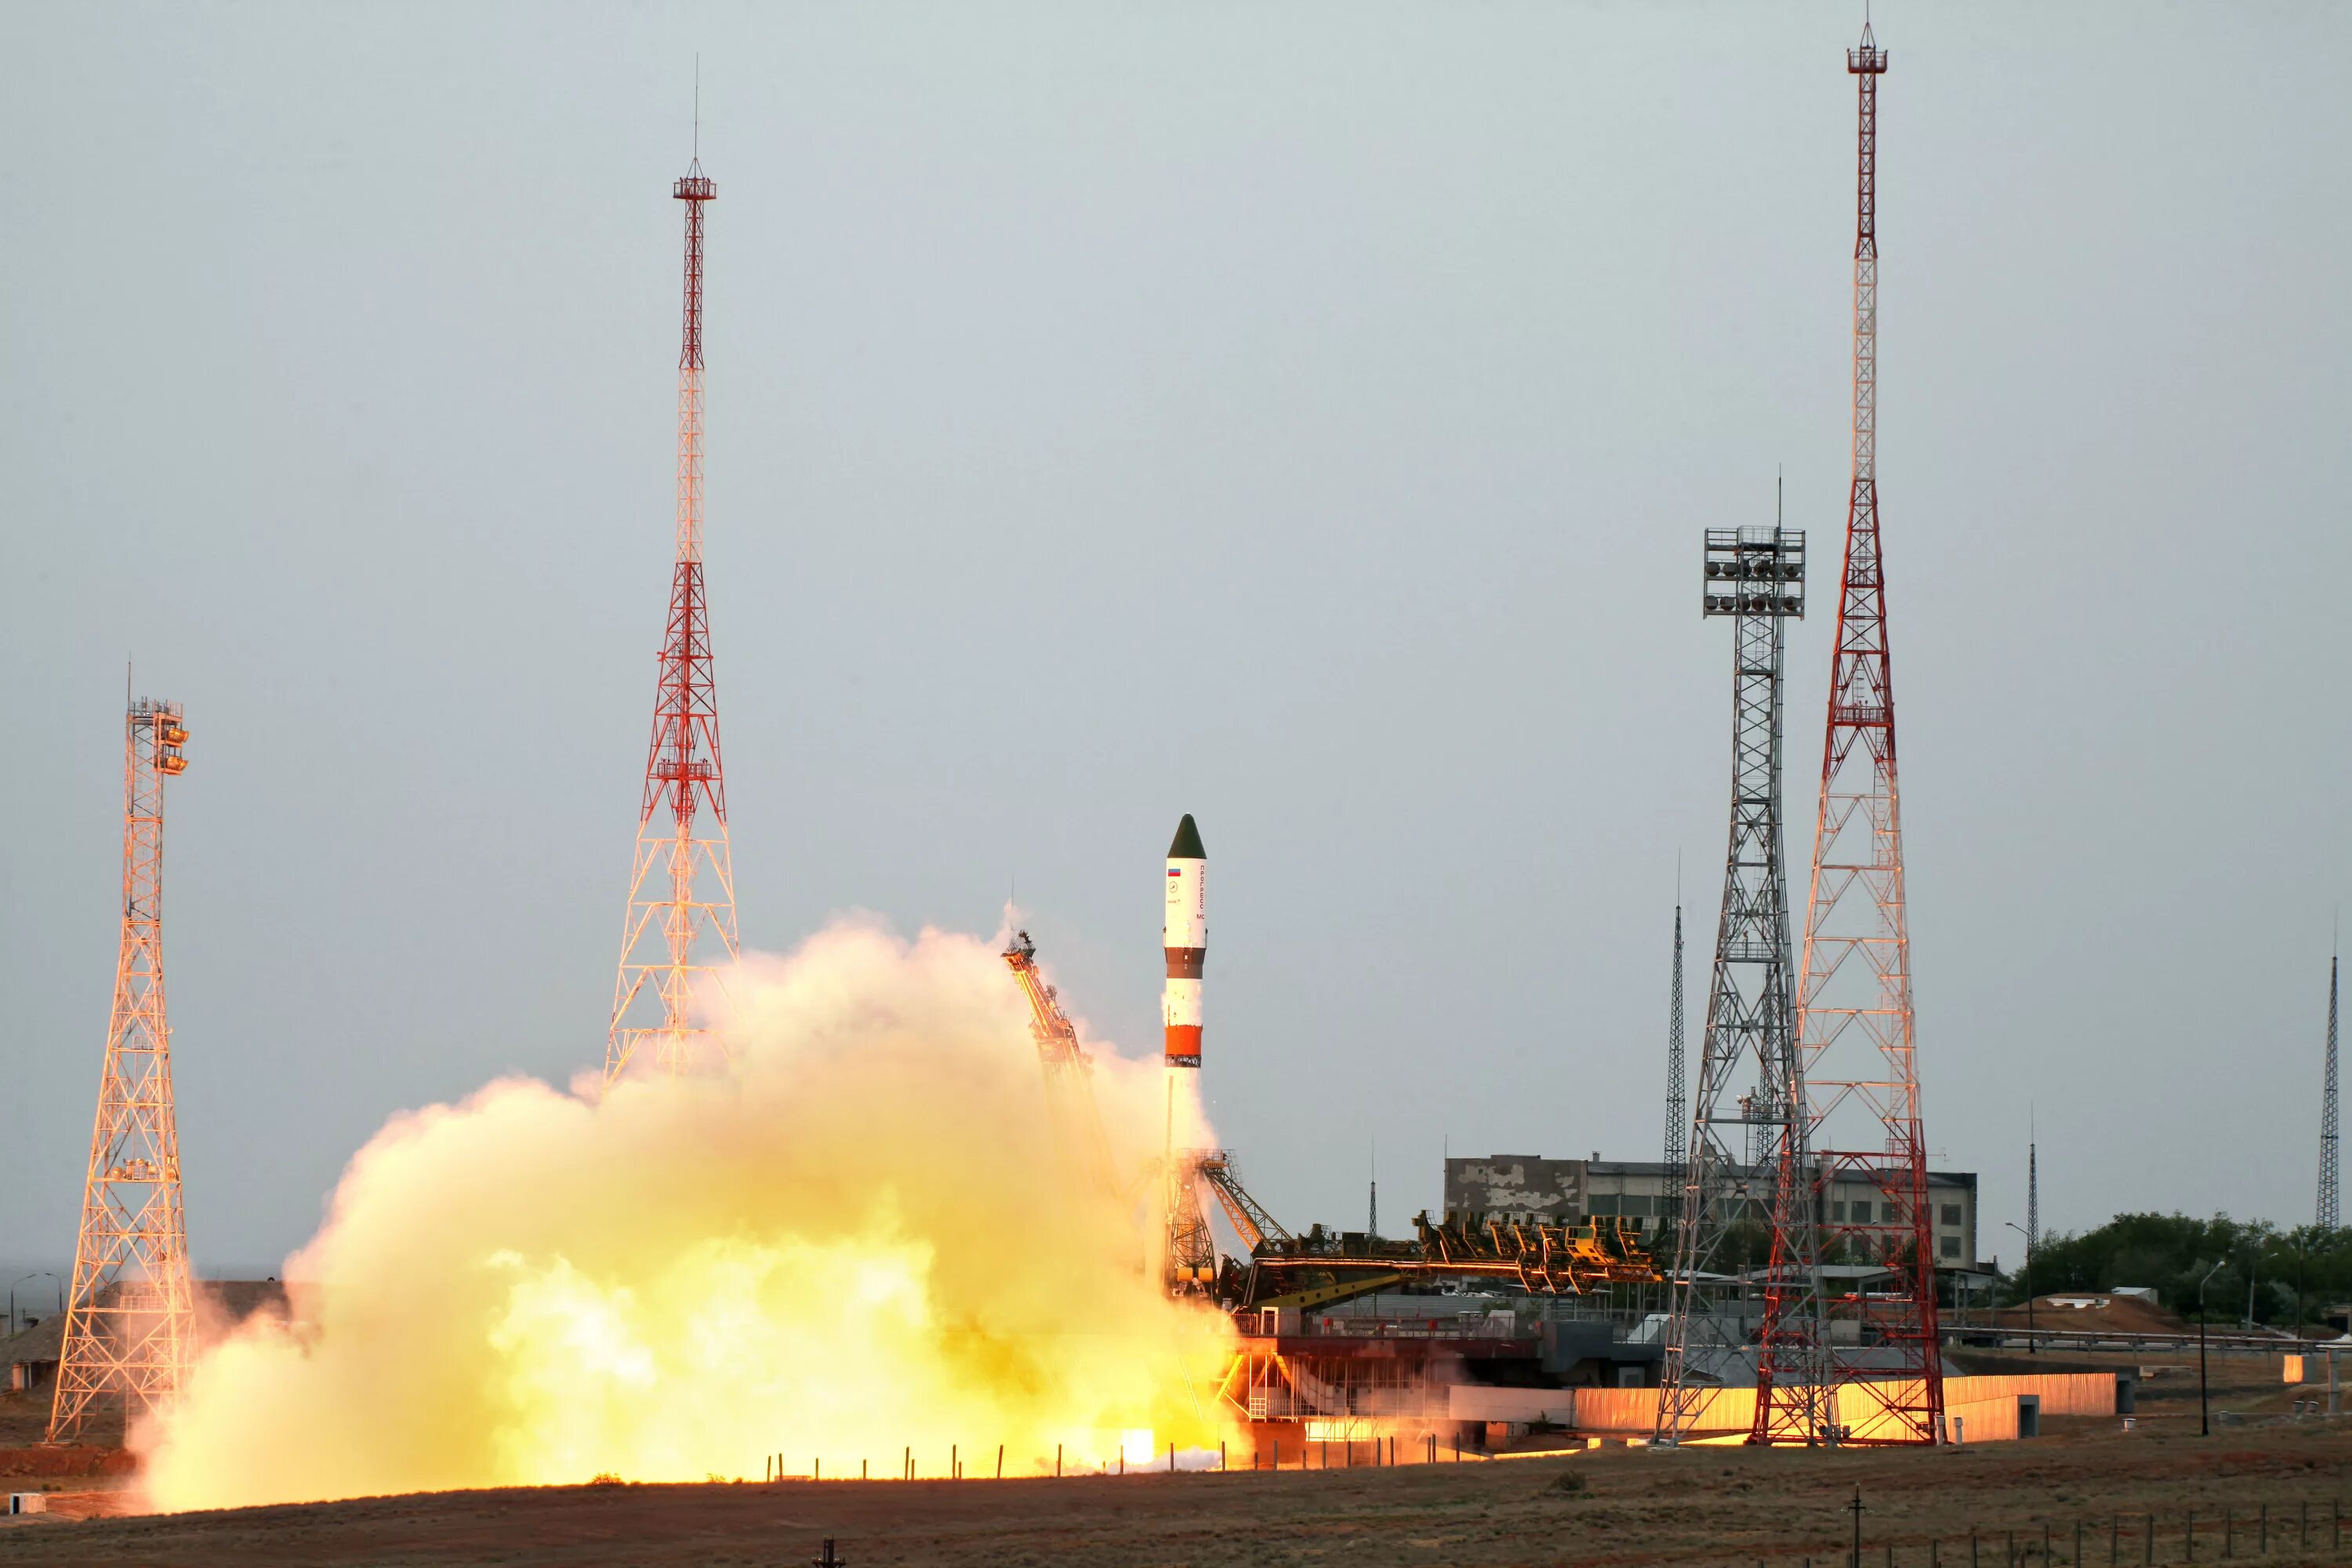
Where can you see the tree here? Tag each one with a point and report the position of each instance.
(2296, 1273)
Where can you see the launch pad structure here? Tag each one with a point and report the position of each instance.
(1829, 1038)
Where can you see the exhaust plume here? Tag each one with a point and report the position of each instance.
(850, 1241)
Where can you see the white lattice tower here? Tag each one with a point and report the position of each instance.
(129, 1314)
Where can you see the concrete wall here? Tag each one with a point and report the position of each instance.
(2063, 1393)
(1988, 1404)
(1475, 1402)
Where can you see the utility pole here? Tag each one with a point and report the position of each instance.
(679, 930)
(1855, 1031)
(1756, 577)
(2204, 1406)
(2031, 1344)
(130, 1314)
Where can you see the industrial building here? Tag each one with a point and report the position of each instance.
(1526, 1189)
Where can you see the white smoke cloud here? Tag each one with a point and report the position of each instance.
(850, 1240)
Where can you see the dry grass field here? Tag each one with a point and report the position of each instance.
(1697, 1507)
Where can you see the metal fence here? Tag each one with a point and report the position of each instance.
(2304, 1528)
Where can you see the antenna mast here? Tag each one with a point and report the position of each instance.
(131, 1317)
(680, 925)
(2033, 1190)
(2330, 1188)
(1677, 1153)
(1855, 1024)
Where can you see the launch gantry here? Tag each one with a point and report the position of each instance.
(1081, 1147)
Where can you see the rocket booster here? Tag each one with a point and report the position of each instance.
(1184, 937)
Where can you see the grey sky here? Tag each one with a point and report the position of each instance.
(1301, 416)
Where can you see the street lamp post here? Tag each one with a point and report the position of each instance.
(38, 1274)
(2204, 1409)
(2032, 1345)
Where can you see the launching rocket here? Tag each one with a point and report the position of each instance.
(1189, 1253)
(1184, 937)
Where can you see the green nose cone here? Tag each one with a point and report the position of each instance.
(1188, 842)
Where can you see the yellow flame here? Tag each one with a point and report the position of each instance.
(849, 1247)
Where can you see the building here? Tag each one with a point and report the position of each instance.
(1569, 1191)
(30, 1356)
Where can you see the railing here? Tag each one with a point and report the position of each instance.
(2002, 1336)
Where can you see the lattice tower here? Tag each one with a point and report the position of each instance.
(1757, 577)
(1678, 1151)
(679, 932)
(2033, 1202)
(1856, 1022)
(1081, 1148)
(2330, 1187)
(130, 1317)
(1190, 1268)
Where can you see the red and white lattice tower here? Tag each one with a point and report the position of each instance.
(679, 932)
(1854, 1016)
(131, 1317)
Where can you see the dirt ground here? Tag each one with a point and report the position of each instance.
(1701, 1506)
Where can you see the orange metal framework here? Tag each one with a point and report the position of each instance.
(679, 930)
(130, 1317)
(1539, 1257)
(1855, 1027)
(1189, 1263)
(1081, 1149)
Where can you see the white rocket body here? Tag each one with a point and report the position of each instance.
(1184, 940)
(1190, 1256)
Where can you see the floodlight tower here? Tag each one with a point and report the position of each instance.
(2330, 1188)
(1855, 1024)
(680, 925)
(131, 1316)
(1757, 577)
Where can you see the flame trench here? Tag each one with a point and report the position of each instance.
(848, 1241)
